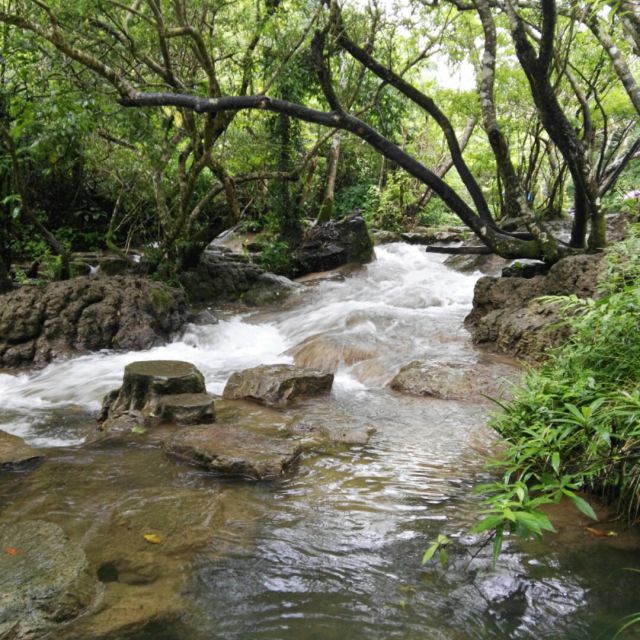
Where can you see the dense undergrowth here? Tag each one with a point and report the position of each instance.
(574, 424)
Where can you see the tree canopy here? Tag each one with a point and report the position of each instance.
(149, 112)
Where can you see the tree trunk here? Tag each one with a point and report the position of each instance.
(326, 210)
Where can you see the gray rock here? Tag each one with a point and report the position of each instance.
(187, 408)
(40, 324)
(380, 236)
(157, 390)
(220, 276)
(435, 235)
(234, 451)
(269, 288)
(44, 580)
(277, 384)
(457, 380)
(15, 452)
(508, 315)
(333, 244)
(439, 380)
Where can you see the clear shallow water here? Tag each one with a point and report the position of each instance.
(333, 550)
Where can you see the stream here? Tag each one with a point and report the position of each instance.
(333, 550)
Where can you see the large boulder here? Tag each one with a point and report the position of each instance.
(224, 276)
(38, 325)
(45, 580)
(333, 244)
(154, 391)
(15, 452)
(277, 384)
(508, 314)
(234, 451)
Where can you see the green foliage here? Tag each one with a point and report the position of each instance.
(575, 422)
(436, 214)
(437, 549)
(276, 257)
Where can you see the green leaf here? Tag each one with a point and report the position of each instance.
(443, 557)
(528, 522)
(138, 429)
(490, 522)
(555, 462)
(582, 505)
(428, 554)
(497, 546)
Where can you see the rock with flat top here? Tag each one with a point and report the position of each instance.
(187, 408)
(155, 391)
(234, 451)
(277, 384)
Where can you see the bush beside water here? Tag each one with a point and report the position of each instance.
(574, 424)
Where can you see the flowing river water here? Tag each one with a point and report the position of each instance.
(333, 550)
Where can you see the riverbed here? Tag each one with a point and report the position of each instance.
(333, 550)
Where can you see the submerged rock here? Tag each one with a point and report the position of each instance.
(456, 380)
(15, 452)
(328, 351)
(234, 451)
(439, 380)
(333, 244)
(40, 324)
(44, 580)
(277, 384)
(153, 391)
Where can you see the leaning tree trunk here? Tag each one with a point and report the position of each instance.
(537, 69)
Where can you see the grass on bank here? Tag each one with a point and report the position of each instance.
(574, 424)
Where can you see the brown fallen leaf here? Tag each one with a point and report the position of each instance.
(601, 534)
(152, 538)
(10, 551)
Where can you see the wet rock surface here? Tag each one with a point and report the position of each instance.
(277, 384)
(156, 390)
(328, 351)
(436, 235)
(333, 244)
(456, 380)
(234, 451)
(187, 408)
(16, 453)
(507, 314)
(40, 324)
(225, 276)
(45, 580)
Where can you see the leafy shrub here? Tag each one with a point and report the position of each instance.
(575, 422)
(275, 257)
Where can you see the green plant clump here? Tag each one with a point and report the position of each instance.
(575, 422)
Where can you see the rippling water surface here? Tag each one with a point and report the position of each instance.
(333, 550)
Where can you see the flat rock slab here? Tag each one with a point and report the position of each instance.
(14, 451)
(277, 384)
(454, 381)
(44, 579)
(234, 451)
